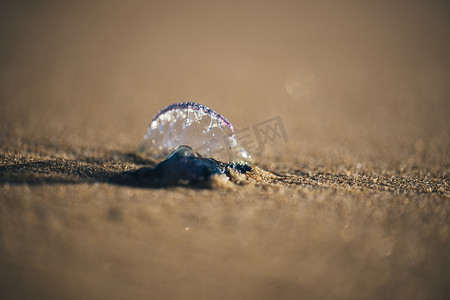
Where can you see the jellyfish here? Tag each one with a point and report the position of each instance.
(191, 124)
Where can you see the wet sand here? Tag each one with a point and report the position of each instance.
(355, 200)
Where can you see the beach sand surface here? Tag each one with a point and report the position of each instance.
(345, 104)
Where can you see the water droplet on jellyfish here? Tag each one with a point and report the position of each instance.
(194, 125)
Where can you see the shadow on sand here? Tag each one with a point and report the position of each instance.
(80, 170)
(181, 168)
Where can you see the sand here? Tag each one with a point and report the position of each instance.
(348, 199)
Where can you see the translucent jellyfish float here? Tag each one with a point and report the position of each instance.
(196, 126)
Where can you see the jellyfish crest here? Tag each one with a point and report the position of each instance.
(192, 124)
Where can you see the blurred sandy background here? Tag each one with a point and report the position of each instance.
(361, 87)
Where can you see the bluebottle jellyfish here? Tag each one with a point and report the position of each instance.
(194, 125)
(183, 167)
